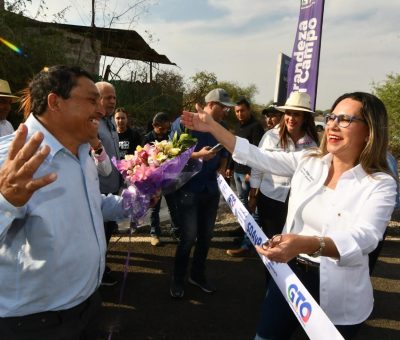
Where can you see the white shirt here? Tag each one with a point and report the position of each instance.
(5, 128)
(271, 185)
(362, 208)
(314, 215)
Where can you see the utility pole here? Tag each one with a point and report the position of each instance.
(93, 13)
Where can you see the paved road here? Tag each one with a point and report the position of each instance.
(144, 309)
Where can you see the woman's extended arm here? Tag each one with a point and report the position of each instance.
(243, 152)
(202, 121)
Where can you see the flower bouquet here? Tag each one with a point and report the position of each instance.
(157, 167)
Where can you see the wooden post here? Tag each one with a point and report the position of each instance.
(151, 71)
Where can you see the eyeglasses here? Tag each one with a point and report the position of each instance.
(224, 108)
(343, 120)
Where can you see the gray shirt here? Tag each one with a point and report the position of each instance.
(109, 138)
(5, 128)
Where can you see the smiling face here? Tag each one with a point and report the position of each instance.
(294, 122)
(75, 121)
(347, 143)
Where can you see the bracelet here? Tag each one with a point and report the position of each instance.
(318, 252)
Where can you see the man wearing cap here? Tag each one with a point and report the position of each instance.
(6, 99)
(198, 200)
(272, 116)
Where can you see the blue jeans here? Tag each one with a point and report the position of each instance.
(242, 187)
(155, 229)
(243, 190)
(198, 212)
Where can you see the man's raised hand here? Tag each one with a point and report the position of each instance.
(17, 184)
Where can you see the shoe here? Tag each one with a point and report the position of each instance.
(177, 289)
(174, 233)
(108, 279)
(240, 252)
(155, 241)
(204, 285)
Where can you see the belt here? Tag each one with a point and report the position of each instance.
(52, 317)
(306, 264)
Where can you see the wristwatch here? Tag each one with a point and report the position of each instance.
(318, 252)
(99, 151)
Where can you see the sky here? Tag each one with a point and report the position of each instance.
(240, 40)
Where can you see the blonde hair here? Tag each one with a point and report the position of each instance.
(373, 157)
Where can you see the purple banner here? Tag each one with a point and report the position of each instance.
(303, 68)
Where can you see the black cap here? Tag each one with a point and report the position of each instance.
(270, 110)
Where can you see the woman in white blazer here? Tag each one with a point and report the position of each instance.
(342, 197)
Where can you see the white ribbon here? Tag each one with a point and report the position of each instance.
(310, 315)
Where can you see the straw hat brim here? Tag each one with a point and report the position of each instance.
(295, 108)
(14, 99)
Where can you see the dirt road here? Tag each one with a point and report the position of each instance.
(143, 309)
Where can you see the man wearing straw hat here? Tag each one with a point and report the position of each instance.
(6, 99)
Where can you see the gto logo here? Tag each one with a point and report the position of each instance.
(296, 297)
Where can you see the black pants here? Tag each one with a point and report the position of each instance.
(272, 217)
(76, 323)
(272, 214)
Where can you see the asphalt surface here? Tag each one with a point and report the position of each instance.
(140, 306)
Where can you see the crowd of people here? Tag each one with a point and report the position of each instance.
(324, 203)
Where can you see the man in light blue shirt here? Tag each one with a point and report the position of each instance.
(52, 244)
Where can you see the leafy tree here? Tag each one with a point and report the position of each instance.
(389, 92)
(170, 81)
(201, 83)
(40, 47)
(236, 91)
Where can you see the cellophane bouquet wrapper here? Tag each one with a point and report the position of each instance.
(162, 176)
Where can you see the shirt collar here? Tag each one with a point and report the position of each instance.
(33, 125)
(356, 172)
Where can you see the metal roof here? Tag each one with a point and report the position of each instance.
(120, 43)
(117, 43)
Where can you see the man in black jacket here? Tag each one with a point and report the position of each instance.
(250, 128)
